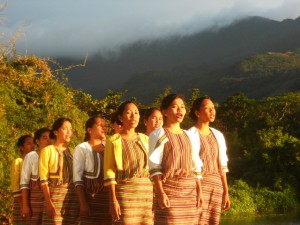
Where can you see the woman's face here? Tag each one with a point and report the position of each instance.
(64, 133)
(44, 140)
(175, 112)
(99, 129)
(130, 117)
(206, 112)
(28, 146)
(154, 121)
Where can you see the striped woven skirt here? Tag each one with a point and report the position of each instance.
(99, 208)
(212, 190)
(135, 197)
(183, 199)
(36, 202)
(17, 217)
(66, 205)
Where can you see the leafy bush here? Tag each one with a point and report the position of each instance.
(31, 98)
(246, 200)
(241, 197)
(268, 201)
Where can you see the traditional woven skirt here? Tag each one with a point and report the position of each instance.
(36, 202)
(66, 205)
(135, 197)
(212, 190)
(17, 217)
(183, 199)
(99, 208)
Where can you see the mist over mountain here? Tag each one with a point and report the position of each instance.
(204, 60)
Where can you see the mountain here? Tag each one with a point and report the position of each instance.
(204, 60)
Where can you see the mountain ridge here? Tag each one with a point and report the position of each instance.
(145, 69)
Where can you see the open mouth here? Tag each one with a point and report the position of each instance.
(179, 115)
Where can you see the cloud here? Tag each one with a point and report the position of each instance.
(74, 28)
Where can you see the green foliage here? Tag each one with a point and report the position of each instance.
(34, 97)
(104, 106)
(270, 64)
(6, 155)
(241, 197)
(246, 200)
(275, 138)
(268, 201)
(31, 97)
(263, 146)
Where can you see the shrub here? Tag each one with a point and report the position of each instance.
(241, 197)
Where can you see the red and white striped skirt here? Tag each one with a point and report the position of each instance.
(212, 190)
(182, 195)
(66, 205)
(135, 197)
(36, 202)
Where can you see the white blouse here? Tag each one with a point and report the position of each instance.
(156, 151)
(86, 163)
(30, 169)
(222, 146)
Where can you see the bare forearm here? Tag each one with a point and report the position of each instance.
(25, 196)
(112, 193)
(81, 195)
(46, 193)
(158, 184)
(198, 186)
(226, 199)
(224, 183)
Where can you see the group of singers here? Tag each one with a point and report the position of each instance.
(166, 176)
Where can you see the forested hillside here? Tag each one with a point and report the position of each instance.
(258, 76)
(262, 134)
(204, 60)
(265, 75)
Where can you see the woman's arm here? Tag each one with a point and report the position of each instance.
(109, 169)
(224, 168)
(109, 165)
(24, 184)
(84, 206)
(44, 161)
(115, 209)
(199, 193)
(79, 160)
(25, 202)
(162, 198)
(226, 200)
(49, 204)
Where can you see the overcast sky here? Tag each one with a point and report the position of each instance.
(75, 28)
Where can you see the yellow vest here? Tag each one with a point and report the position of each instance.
(113, 156)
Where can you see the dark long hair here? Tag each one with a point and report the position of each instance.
(21, 141)
(89, 124)
(196, 105)
(122, 107)
(38, 134)
(167, 101)
(149, 112)
(114, 118)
